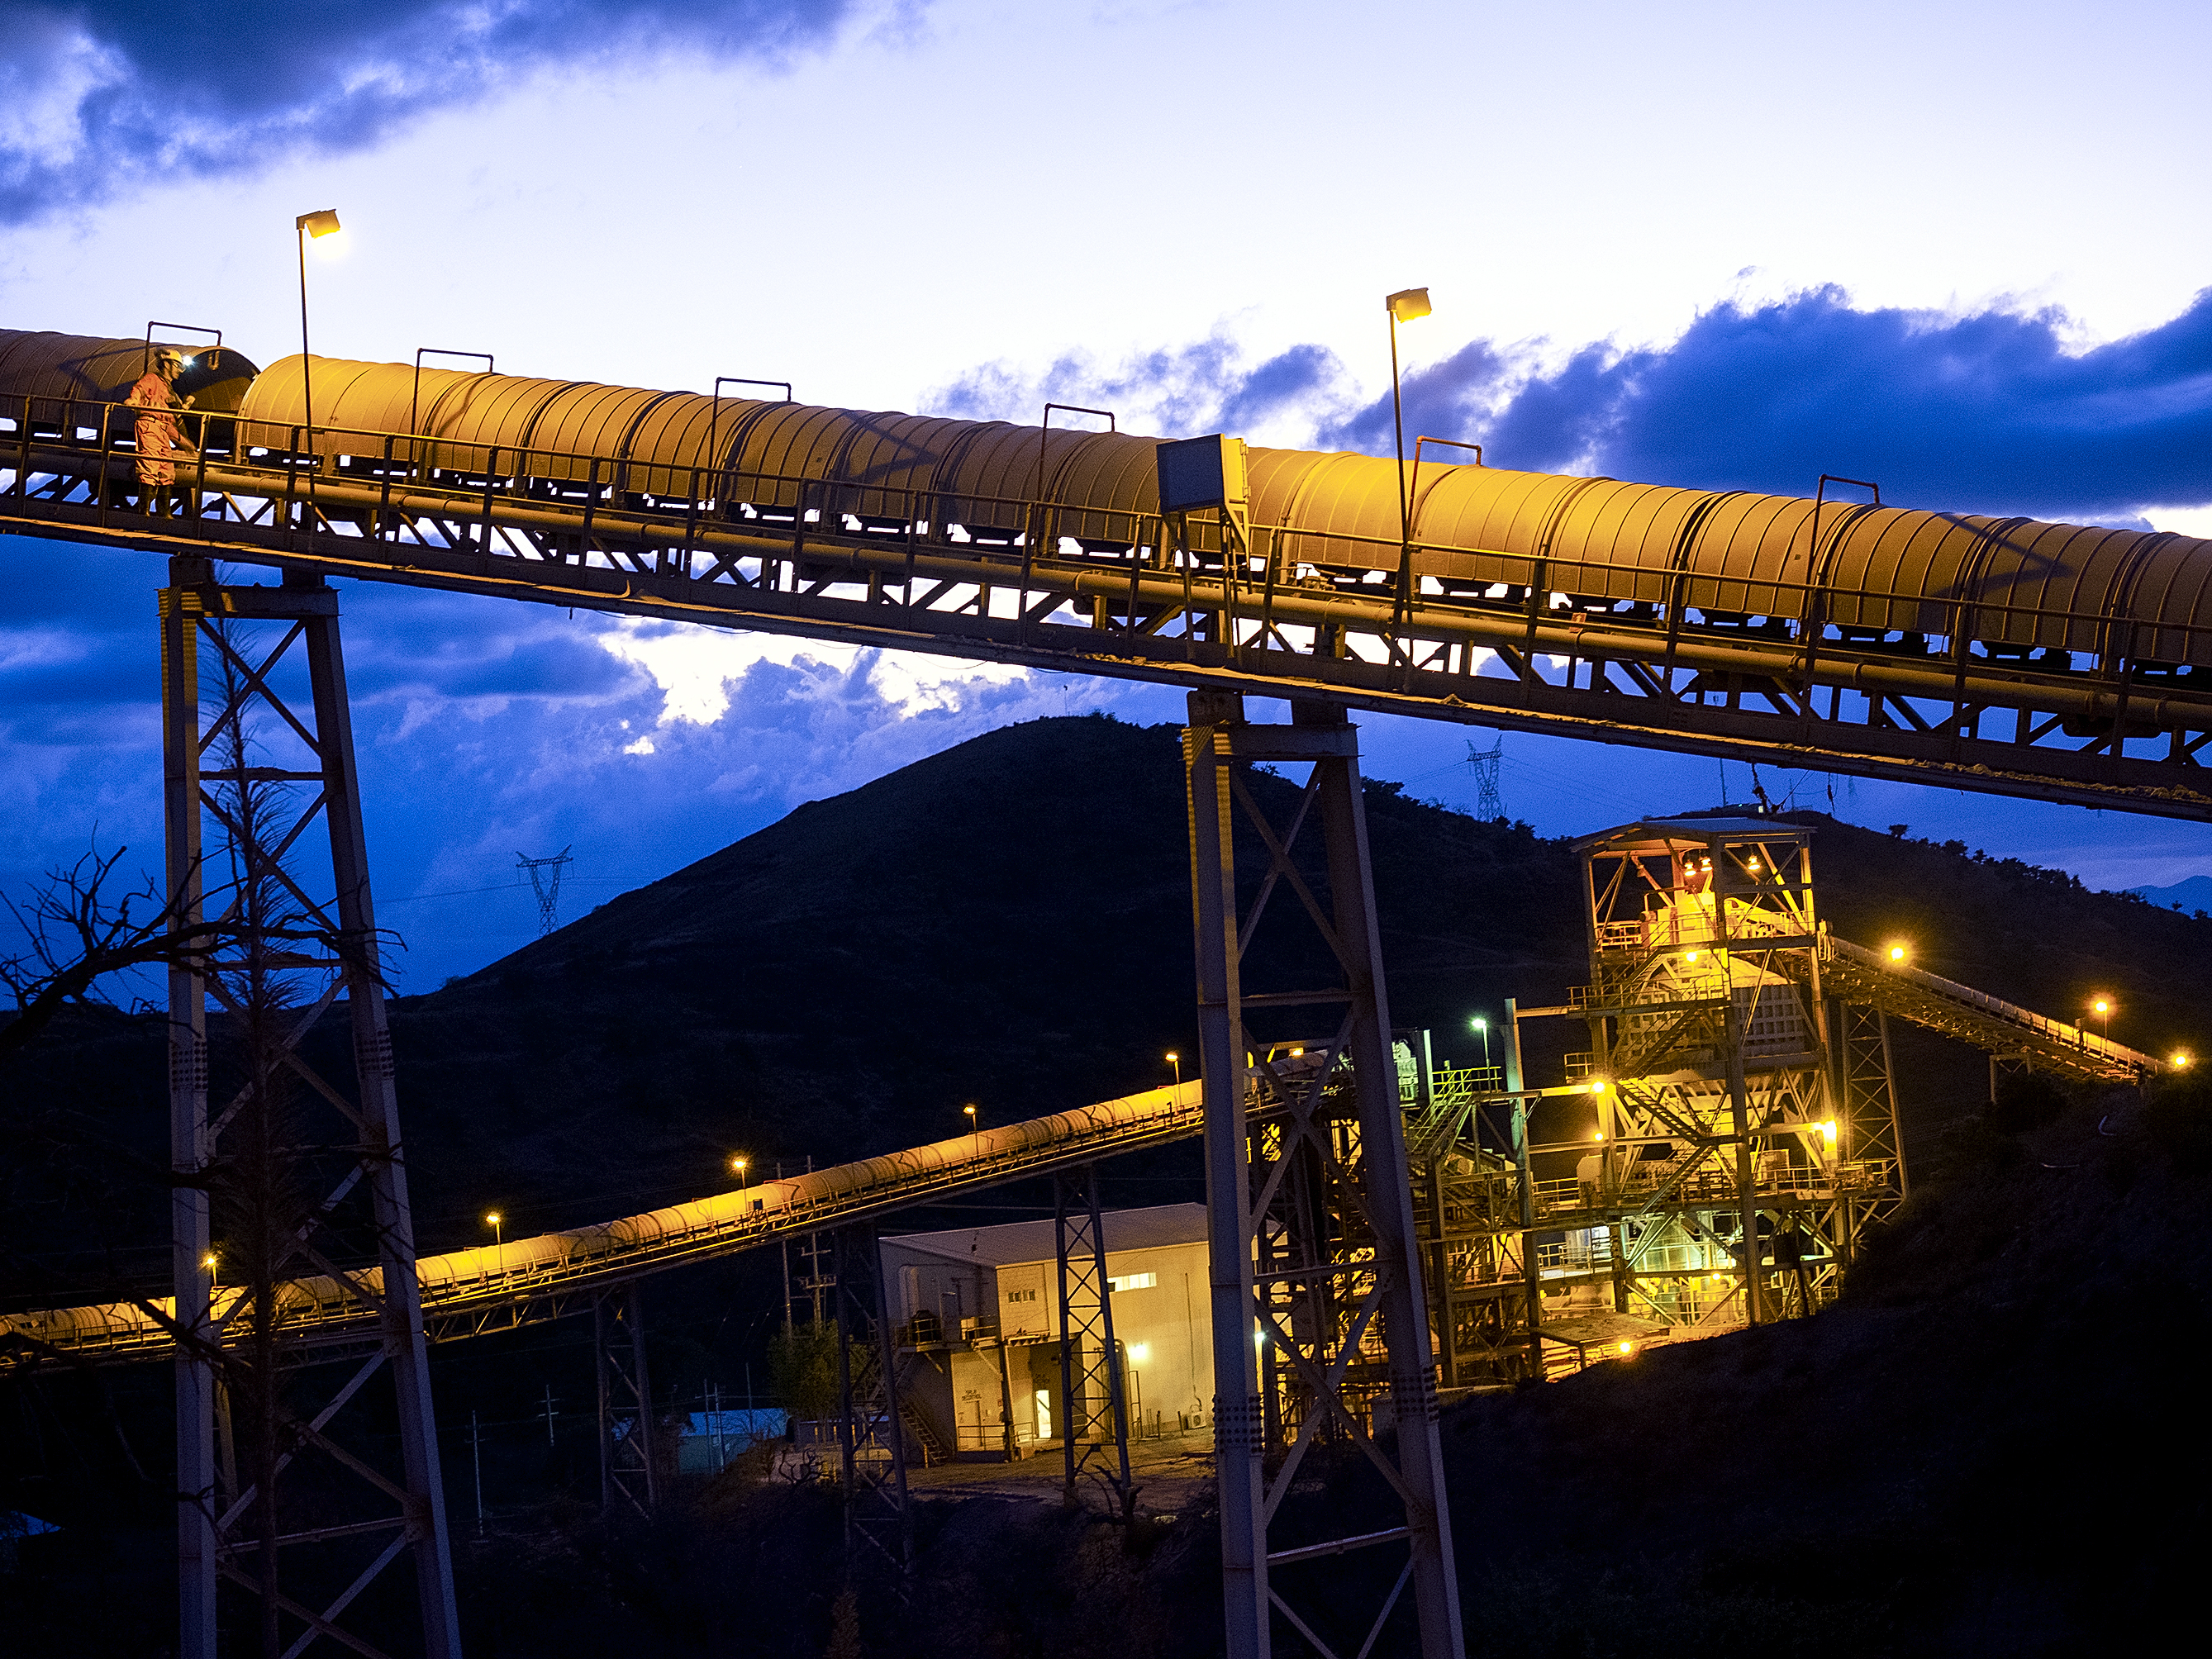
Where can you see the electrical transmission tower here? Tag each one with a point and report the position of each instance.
(1488, 802)
(545, 879)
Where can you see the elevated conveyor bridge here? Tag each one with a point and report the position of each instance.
(484, 1288)
(2008, 656)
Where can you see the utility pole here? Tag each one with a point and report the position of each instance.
(476, 1453)
(548, 1414)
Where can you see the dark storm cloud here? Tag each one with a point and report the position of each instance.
(1985, 412)
(96, 99)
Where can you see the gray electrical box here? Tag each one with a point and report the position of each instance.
(1201, 473)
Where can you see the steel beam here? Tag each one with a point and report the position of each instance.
(181, 607)
(1369, 1189)
(310, 937)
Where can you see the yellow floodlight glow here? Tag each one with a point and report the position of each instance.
(1597, 1086)
(738, 1165)
(1690, 957)
(1408, 304)
(1140, 1352)
(1628, 1347)
(208, 1261)
(2101, 1007)
(1297, 1053)
(1600, 1135)
(1897, 952)
(1829, 1130)
(492, 1218)
(2181, 1061)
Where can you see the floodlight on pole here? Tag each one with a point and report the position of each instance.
(1406, 306)
(309, 226)
(1175, 1060)
(496, 1222)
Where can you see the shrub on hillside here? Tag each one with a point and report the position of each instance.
(2178, 1117)
(2025, 1100)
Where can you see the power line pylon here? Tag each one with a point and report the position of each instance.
(366, 1528)
(1489, 803)
(545, 881)
(1340, 1285)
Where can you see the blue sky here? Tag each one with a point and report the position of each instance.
(1959, 249)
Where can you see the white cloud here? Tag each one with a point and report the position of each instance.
(694, 668)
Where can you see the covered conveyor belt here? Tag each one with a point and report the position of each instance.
(1999, 654)
(1856, 974)
(495, 1287)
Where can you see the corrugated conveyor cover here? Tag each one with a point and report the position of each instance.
(2115, 594)
(59, 369)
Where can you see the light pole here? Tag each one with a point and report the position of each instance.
(974, 1134)
(1483, 1026)
(2102, 1007)
(315, 226)
(1176, 1060)
(1404, 306)
(738, 1164)
(494, 1220)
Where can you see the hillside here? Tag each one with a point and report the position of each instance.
(1007, 923)
(1937, 1467)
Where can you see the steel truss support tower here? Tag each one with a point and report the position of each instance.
(1350, 1290)
(628, 1468)
(261, 814)
(872, 1427)
(1093, 1403)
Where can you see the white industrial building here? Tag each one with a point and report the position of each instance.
(977, 1312)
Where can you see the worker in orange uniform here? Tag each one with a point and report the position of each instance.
(155, 432)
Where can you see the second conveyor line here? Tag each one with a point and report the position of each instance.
(491, 1287)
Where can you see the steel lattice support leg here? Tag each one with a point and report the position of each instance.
(1216, 740)
(189, 609)
(1237, 1418)
(404, 1342)
(1086, 1329)
(628, 1469)
(181, 606)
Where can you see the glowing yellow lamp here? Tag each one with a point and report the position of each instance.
(318, 225)
(1408, 304)
(1897, 953)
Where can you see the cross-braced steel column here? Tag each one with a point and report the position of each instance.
(872, 1427)
(1379, 1284)
(628, 1468)
(181, 606)
(272, 929)
(1091, 1379)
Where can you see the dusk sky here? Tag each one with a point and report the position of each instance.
(1963, 250)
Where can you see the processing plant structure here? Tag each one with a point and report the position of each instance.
(1712, 1157)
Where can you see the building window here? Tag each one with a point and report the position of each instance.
(1132, 1282)
(1021, 1296)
